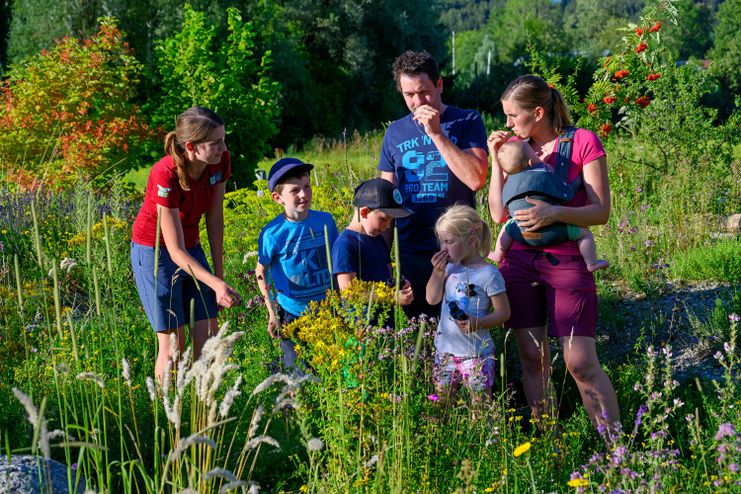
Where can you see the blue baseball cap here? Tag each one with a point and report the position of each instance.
(283, 166)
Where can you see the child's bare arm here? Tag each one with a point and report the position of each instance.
(262, 284)
(344, 279)
(436, 284)
(500, 313)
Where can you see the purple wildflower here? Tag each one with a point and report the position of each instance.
(725, 430)
(433, 397)
(641, 410)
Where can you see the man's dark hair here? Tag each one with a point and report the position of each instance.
(412, 63)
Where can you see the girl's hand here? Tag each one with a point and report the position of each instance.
(494, 142)
(540, 215)
(406, 296)
(470, 325)
(439, 262)
(226, 296)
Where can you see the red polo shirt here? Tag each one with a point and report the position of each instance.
(163, 188)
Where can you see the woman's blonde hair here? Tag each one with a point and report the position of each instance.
(463, 221)
(531, 91)
(193, 125)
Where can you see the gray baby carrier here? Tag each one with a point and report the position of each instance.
(542, 185)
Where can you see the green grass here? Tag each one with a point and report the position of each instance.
(716, 260)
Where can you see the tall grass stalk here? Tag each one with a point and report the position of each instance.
(19, 296)
(73, 335)
(328, 254)
(57, 301)
(96, 286)
(107, 239)
(89, 230)
(36, 235)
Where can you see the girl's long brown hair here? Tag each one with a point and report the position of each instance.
(193, 125)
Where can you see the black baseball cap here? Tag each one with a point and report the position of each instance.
(283, 166)
(379, 193)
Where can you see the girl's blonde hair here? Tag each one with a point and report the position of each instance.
(193, 125)
(463, 221)
(531, 91)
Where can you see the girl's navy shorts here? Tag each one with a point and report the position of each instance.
(167, 299)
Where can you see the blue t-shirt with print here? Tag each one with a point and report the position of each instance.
(296, 257)
(427, 185)
(368, 257)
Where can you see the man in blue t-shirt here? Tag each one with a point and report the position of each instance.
(437, 157)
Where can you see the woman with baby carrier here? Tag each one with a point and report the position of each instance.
(550, 289)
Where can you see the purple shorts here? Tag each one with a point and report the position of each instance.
(550, 287)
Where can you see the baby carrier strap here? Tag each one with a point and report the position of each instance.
(563, 157)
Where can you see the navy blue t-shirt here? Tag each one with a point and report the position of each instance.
(368, 257)
(427, 185)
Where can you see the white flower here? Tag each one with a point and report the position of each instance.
(256, 441)
(255, 422)
(126, 371)
(67, 264)
(150, 388)
(90, 376)
(233, 485)
(221, 473)
(228, 400)
(315, 444)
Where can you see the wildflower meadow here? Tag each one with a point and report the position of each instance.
(77, 353)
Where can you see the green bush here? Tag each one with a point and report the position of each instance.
(228, 78)
(67, 113)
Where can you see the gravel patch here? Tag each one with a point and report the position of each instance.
(678, 315)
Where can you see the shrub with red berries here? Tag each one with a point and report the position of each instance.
(60, 130)
(643, 101)
(626, 77)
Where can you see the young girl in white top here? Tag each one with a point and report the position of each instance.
(473, 301)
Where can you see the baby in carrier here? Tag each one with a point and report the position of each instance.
(528, 176)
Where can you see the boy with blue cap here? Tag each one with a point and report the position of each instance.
(292, 251)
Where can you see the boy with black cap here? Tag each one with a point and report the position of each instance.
(361, 251)
(291, 251)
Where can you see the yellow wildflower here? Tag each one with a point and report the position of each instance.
(578, 483)
(522, 449)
